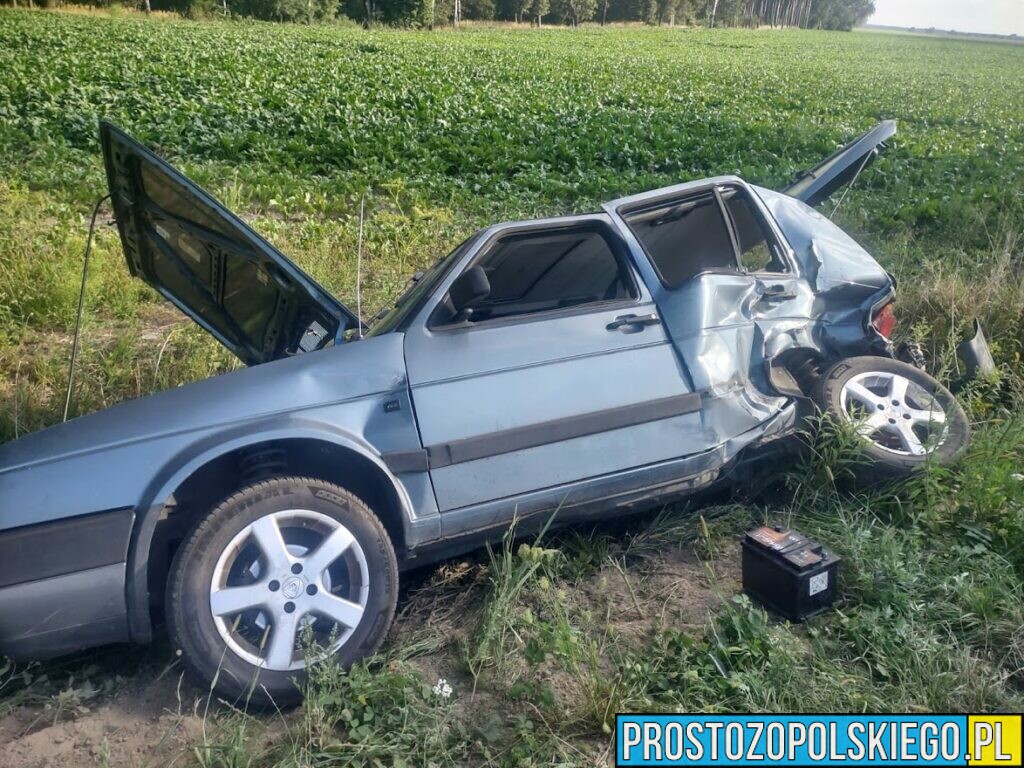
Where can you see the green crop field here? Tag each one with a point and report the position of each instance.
(445, 132)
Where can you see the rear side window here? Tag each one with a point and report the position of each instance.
(756, 245)
(539, 272)
(684, 238)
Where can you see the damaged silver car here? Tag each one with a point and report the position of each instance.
(582, 365)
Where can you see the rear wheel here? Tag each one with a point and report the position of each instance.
(904, 416)
(282, 573)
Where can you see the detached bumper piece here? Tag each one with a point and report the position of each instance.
(976, 354)
(789, 573)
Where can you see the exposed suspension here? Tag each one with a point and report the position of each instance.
(263, 463)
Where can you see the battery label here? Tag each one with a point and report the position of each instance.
(819, 583)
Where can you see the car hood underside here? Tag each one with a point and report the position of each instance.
(210, 264)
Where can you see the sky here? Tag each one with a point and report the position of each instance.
(1001, 17)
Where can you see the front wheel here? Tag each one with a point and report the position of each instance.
(283, 572)
(904, 416)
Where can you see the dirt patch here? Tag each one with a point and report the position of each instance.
(148, 722)
(689, 589)
(671, 588)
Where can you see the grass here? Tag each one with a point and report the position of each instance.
(447, 132)
(543, 642)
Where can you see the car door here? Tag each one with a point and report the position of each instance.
(728, 288)
(563, 372)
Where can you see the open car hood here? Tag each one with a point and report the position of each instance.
(210, 264)
(817, 184)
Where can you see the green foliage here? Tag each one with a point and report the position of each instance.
(376, 715)
(539, 9)
(291, 125)
(529, 121)
(831, 454)
(287, 10)
(989, 507)
(573, 12)
(840, 14)
(931, 617)
(818, 14)
(511, 574)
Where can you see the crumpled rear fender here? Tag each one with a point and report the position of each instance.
(846, 284)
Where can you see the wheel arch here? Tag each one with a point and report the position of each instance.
(793, 370)
(198, 478)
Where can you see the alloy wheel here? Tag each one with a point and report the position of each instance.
(894, 413)
(289, 583)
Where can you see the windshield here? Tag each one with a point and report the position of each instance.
(412, 298)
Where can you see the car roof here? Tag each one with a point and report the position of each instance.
(651, 195)
(672, 191)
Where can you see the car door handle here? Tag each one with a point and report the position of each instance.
(632, 321)
(776, 293)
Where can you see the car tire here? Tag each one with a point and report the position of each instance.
(253, 574)
(905, 417)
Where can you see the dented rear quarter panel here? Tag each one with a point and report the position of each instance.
(727, 333)
(845, 281)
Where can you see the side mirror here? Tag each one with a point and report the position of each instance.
(469, 288)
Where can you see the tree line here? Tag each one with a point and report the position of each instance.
(808, 14)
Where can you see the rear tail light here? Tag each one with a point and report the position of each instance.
(884, 321)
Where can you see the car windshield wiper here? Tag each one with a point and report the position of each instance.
(411, 283)
(405, 295)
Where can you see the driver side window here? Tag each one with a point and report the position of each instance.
(528, 273)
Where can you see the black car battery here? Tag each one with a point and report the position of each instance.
(788, 572)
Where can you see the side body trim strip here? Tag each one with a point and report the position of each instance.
(58, 547)
(534, 435)
(406, 461)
